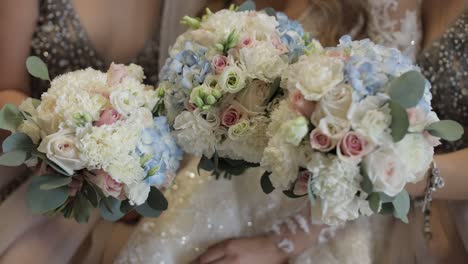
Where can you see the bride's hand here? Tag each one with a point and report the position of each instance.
(254, 250)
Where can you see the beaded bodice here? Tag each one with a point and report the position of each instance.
(445, 64)
(62, 42)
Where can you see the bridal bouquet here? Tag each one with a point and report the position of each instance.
(98, 135)
(221, 83)
(356, 128)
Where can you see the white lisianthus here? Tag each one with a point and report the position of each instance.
(334, 128)
(61, 148)
(262, 61)
(386, 170)
(233, 79)
(337, 183)
(46, 117)
(240, 130)
(371, 117)
(416, 153)
(294, 130)
(195, 134)
(124, 102)
(30, 128)
(313, 75)
(137, 193)
(337, 101)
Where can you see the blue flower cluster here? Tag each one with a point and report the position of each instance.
(291, 34)
(159, 154)
(188, 68)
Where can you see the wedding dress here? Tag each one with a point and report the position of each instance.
(204, 211)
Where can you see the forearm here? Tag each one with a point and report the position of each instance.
(454, 169)
(11, 96)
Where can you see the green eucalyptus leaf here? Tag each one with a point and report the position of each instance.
(385, 198)
(10, 117)
(310, 191)
(247, 6)
(14, 158)
(126, 207)
(270, 11)
(387, 209)
(54, 166)
(205, 164)
(146, 211)
(156, 200)
(290, 193)
(400, 122)
(408, 89)
(42, 201)
(366, 184)
(265, 183)
(53, 181)
(37, 68)
(18, 141)
(110, 208)
(401, 203)
(90, 193)
(81, 208)
(374, 202)
(446, 129)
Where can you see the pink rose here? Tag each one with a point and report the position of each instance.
(116, 73)
(302, 106)
(219, 62)
(320, 141)
(230, 116)
(276, 41)
(245, 42)
(352, 147)
(109, 186)
(302, 180)
(108, 117)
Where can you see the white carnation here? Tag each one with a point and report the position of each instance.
(313, 75)
(416, 153)
(262, 61)
(128, 96)
(125, 169)
(137, 193)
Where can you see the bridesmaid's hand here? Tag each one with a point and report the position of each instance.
(254, 250)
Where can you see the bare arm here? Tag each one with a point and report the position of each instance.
(17, 22)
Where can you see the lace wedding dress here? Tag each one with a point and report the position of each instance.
(204, 211)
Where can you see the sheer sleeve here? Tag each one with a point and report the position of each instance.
(396, 23)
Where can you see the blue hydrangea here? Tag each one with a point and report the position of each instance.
(159, 154)
(291, 34)
(188, 68)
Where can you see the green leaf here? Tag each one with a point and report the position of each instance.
(374, 202)
(110, 208)
(146, 211)
(37, 68)
(42, 201)
(81, 208)
(156, 200)
(400, 122)
(53, 181)
(10, 117)
(310, 191)
(401, 203)
(126, 207)
(408, 89)
(366, 184)
(270, 11)
(13, 158)
(247, 6)
(265, 183)
(54, 166)
(446, 129)
(387, 209)
(290, 193)
(18, 141)
(90, 193)
(205, 164)
(385, 198)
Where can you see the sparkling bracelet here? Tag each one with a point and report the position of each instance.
(434, 182)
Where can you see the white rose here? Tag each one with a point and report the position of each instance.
(61, 149)
(386, 171)
(336, 101)
(313, 75)
(31, 129)
(416, 153)
(371, 117)
(334, 128)
(137, 193)
(125, 102)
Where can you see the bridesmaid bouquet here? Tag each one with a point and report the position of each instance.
(101, 138)
(356, 128)
(221, 83)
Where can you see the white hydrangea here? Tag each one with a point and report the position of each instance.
(313, 75)
(195, 134)
(416, 153)
(262, 61)
(137, 193)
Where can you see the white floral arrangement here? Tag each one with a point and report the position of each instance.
(356, 127)
(102, 138)
(222, 78)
